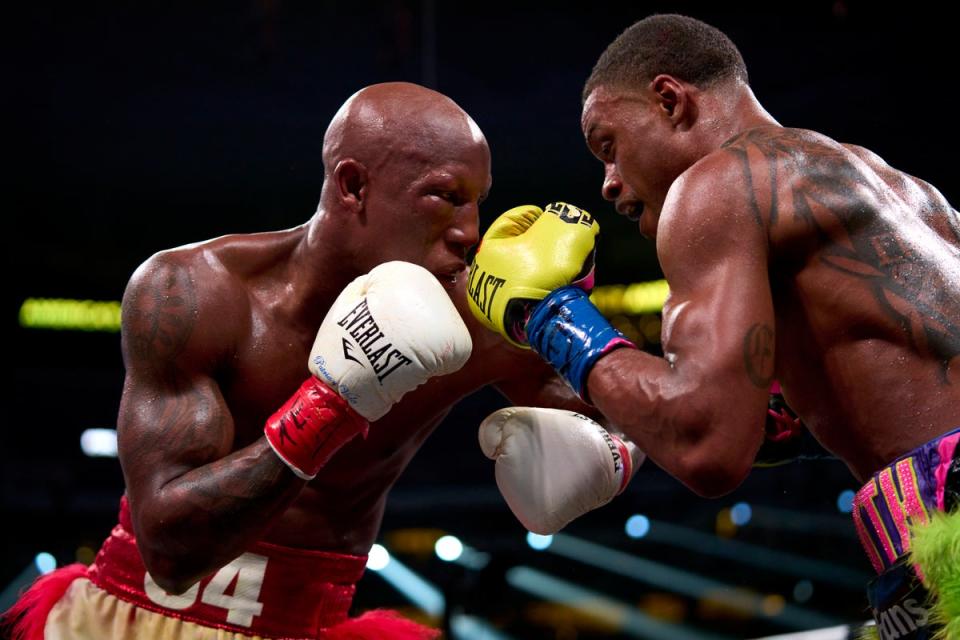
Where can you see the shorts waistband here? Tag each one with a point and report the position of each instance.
(903, 494)
(270, 590)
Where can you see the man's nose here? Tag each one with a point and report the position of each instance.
(465, 233)
(612, 184)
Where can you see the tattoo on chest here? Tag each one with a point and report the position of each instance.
(853, 221)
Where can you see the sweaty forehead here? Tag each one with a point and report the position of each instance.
(469, 168)
(604, 106)
(592, 112)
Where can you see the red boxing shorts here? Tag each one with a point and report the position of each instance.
(267, 592)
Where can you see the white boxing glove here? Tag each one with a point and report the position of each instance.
(554, 465)
(388, 332)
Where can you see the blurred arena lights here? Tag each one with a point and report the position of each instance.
(675, 580)
(538, 542)
(42, 564)
(470, 627)
(773, 604)
(626, 619)
(781, 562)
(467, 557)
(428, 597)
(637, 526)
(99, 443)
(378, 558)
(65, 314)
(845, 501)
(448, 548)
(803, 522)
(803, 591)
(724, 526)
(45, 562)
(410, 585)
(741, 513)
(630, 299)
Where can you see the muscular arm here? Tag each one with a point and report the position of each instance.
(699, 411)
(195, 504)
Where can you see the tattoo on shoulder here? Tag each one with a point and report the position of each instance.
(820, 187)
(160, 315)
(738, 146)
(758, 355)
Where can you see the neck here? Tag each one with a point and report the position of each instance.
(319, 268)
(729, 112)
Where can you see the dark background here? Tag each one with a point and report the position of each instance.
(133, 128)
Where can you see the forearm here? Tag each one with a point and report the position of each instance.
(679, 420)
(632, 390)
(199, 521)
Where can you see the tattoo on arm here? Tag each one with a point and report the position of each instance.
(179, 447)
(160, 316)
(758, 355)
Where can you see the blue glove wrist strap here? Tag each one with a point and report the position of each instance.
(571, 334)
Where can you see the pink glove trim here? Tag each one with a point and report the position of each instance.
(786, 426)
(587, 281)
(627, 464)
(616, 343)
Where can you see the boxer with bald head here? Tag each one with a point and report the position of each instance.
(789, 256)
(232, 527)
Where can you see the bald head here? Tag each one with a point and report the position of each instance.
(397, 121)
(405, 170)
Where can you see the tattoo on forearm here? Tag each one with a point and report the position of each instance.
(758, 355)
(848, 216)
(228, 492)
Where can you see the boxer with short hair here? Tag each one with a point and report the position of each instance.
(250, 501)
(790, 256)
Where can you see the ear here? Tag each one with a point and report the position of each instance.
(351, 180)
(674, 100)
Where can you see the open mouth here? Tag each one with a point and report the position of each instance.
(633, 212)
(448, 280)
(450, 277)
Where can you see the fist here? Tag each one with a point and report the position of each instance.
(388, 332)
(552, 466)
(525, 254)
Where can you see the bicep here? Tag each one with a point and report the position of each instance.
(719, 320)
(173, 417)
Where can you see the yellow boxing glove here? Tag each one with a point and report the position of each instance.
(525, 254)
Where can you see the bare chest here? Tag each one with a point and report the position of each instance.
(268, 368)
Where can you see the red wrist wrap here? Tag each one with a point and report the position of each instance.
(309, 428)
